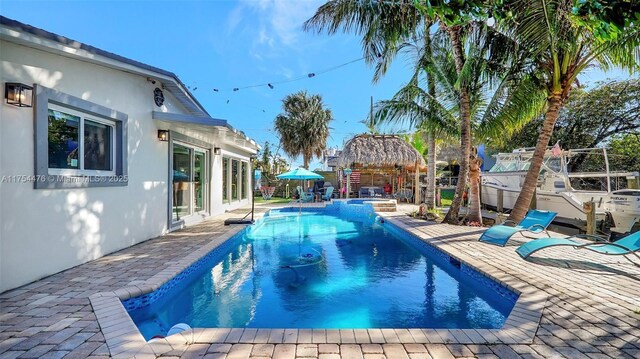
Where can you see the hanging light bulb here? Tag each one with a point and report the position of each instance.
(491, 21)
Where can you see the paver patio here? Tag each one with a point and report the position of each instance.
(592, 311)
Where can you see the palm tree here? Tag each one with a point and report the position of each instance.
(560, 49)
(386, 25)
(498, 92)
(422, 112)
(304, 126)
(432, 118)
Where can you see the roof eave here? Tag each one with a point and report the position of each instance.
(30, 36)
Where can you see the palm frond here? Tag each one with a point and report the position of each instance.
(511, 108)
(418, 108)
(381, 24)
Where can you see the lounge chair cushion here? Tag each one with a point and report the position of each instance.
(626, 245)
(532, 246)
(535, 221)
(499, 234)
(536, 216)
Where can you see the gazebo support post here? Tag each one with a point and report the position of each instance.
(416, 179)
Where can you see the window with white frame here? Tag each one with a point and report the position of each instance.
(80, 143)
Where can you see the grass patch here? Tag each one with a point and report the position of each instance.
(446, 197)
(273, 200)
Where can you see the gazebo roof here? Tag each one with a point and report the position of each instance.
(380, 151)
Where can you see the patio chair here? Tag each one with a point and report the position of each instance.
(363, 193)
(378, 192)
(623, 246)
(403, 194)
(305, 196)
(328, 193)
(536, 221)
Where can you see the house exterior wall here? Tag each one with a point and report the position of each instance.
(44, 231)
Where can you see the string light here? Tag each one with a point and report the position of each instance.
(309, 75)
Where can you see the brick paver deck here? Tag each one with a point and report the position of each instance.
(592, 310)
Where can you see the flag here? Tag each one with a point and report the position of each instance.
(556, 151)
(355, 178)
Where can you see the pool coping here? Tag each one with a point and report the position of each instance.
(124, 340)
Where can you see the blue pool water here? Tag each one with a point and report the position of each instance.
(361, 201)
(319, 270)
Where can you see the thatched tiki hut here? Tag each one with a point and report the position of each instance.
(383, 154)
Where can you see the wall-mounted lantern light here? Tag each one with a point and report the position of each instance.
(217, 151)
(163, 135)
(18, 94)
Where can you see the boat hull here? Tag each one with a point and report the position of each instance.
(568, 205)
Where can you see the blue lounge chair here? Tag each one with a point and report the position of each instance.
(627, 245)
(535, 221)
(363, 193)
(305, 196)
(327, 195)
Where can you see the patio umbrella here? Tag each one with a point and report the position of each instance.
(301, 174)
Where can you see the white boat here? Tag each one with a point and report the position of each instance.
(563, 192)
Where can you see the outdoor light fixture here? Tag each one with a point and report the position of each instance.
(347, 171)
(18, 94)
(163, 135)
(217, 151)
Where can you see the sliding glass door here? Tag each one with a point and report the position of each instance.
(189, 181)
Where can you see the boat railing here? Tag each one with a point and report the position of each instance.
(603, 174)
(505, 173)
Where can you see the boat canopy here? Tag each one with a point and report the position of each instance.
(518, 162)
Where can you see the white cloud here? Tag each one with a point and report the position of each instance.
(286, 72)
(234, 19)
(279, 21)
(263, 38)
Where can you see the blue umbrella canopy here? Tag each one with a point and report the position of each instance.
(299, 174)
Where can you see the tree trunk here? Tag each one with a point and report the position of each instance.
(465, 128)
(475, 214)
(305, 160)
(430, 195)
(531, 180)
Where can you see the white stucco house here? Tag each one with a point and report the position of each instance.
(110, 152)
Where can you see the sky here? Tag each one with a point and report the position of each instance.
(235, 44)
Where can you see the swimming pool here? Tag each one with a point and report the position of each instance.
(321, 269)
